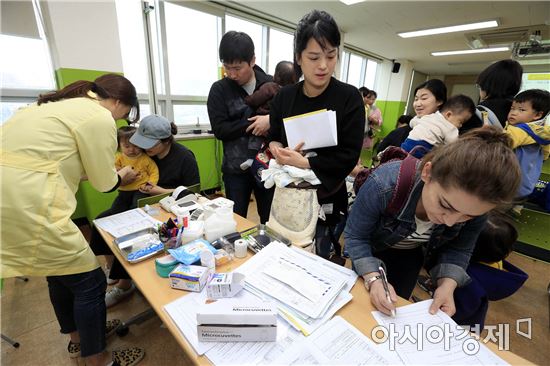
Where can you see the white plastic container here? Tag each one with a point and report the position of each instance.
(193, 231)
(219, 223)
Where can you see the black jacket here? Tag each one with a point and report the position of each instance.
(394, 138)
(229, 119)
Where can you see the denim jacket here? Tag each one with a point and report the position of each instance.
(370, 230)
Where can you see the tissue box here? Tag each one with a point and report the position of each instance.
(229, 320)
(224, 285)
(190, 278)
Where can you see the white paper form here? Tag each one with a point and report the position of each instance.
(126, 222)
(276, 252)
(422, 338)
(316, 129)
(183, 312)
(337, 343)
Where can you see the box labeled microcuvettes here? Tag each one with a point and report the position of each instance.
(230, 320)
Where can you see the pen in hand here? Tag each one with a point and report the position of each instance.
(384, 279)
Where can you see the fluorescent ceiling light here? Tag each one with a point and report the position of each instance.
(351, 2)
(451, 29)
(466, 52)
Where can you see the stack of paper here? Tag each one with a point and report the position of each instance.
(308, 289)
(126, 222)
(438, 337)
(315, 129)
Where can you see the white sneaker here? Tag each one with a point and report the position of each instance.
(110, 281)
(116, 295)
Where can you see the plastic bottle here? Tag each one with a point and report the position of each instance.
(219, 223)
(194, 230)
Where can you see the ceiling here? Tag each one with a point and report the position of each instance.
(373, 27)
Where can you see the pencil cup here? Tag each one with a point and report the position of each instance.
(171, 243)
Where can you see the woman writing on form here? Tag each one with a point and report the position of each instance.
(454, 186)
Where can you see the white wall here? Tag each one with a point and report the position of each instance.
(393, 86)
(83, 34)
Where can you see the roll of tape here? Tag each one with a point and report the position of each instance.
(240, 248)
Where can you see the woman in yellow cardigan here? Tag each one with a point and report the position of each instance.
(46, 148)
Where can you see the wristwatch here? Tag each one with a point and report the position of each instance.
(370, 280)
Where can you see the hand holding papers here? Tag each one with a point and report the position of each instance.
(315, 129)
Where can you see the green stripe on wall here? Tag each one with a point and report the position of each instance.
(65, 76)
(391, 111)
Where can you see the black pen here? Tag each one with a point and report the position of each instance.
(386, 288)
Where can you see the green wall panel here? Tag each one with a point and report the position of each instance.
(390, 113)
(208, 152)
(66, 76)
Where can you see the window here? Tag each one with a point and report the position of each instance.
(280, 48)
(192, 54)
(358, 70)
(191, 115)
(25, 66)
(132, 43)
(354, 70)
(370, 74)
(254, 30)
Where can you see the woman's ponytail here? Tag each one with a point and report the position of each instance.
(77, 89)
(106, 86)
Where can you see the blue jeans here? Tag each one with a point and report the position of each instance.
(79, 304)
(239, 187)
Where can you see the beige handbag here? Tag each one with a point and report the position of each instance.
(294, 213)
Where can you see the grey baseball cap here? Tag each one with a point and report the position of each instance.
(151, 129)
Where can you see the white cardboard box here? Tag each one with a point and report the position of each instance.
(224, 285)
(230, 320)
(190, 278)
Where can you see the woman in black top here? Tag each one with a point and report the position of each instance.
(316, 43)
(498, 84)
(177, 167)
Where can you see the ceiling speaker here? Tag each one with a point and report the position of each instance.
(396, 67)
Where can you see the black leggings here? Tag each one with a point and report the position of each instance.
(402, 267)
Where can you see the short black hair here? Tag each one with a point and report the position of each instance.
(436, 87)
(496, 240)
(364, 91)
(372, 92)
(539, 99)
(404, 119)
(236, 47)
(316, 24)
(459, 103)
(501, 79)
(284, 73)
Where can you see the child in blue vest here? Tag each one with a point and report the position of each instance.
(530, 135)
(493, 278)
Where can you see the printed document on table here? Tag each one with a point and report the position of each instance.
(183, 312)
(254, 353)
(126, 222)
(419, 337)
(316, 129)
(337, 343)
(264, 273)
